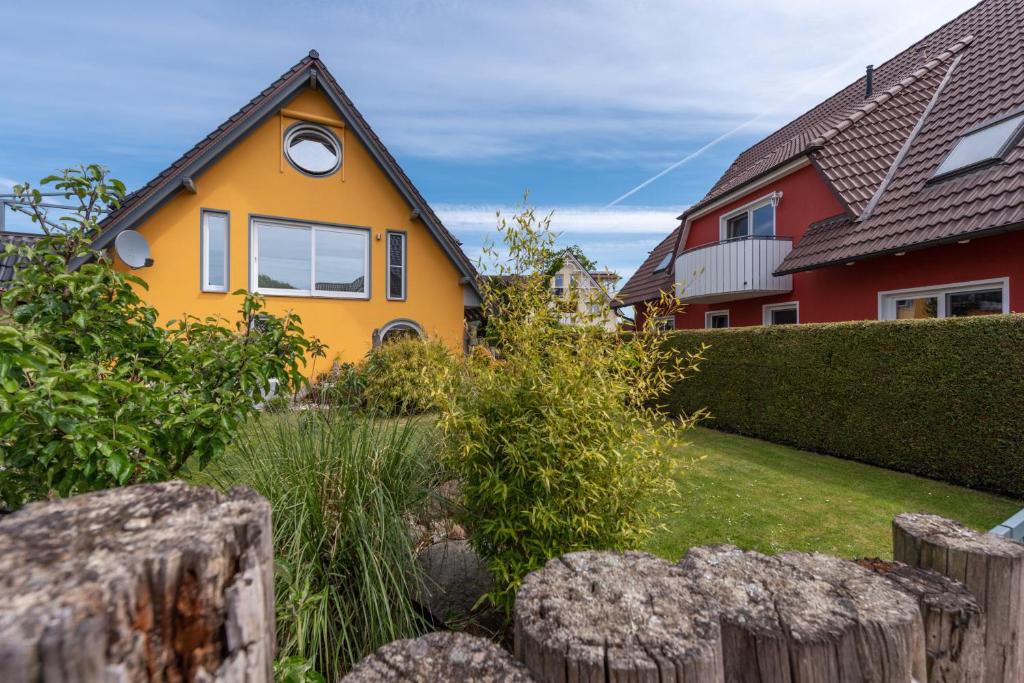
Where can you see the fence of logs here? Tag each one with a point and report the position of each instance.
(170, 582)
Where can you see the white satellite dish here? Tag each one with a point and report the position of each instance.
(132, 248)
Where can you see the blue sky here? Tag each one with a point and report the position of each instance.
(577, 102)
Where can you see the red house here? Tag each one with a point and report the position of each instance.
(901, 196)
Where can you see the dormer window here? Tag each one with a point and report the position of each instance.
(756, 219)
(313, 150)
(983, 145)
(663, 263)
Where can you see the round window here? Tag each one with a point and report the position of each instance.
(312, 149)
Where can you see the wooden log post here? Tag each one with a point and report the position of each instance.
(604, 616)
(954, 625)
(992, 568)
(807, 617)
(160, 582)
(442, 657)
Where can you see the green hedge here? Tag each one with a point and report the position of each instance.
(939, 398)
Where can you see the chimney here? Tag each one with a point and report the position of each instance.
(869, 81)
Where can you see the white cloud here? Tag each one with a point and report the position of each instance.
(583, 220)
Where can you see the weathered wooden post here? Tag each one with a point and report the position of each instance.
(954, 626)
(154, 582)
(807, 617)
(442, 657)
(992, 568)
(603, 616)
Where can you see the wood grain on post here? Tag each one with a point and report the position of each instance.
(807, 617)
(954, 625)
(604, 616)
(992, 568)
(443, 657)
(160, 582)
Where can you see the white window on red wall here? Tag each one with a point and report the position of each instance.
(982, 297)
(782, 314)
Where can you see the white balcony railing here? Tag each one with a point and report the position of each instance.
(741, 268)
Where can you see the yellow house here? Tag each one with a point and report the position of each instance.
(296, 198)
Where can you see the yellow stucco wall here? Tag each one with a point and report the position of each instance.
(251, 180)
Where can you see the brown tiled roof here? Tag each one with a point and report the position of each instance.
(645, 283)
(878, 153)
(142, 202)
(8, 263)
(912, 211)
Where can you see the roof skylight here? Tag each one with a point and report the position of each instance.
(983, 144)
(663, 264)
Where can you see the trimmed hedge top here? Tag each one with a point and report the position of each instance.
(939, 398)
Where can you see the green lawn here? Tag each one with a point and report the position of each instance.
(771, 498)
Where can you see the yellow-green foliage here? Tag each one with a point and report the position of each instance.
(939, 398)
(553, 442)
(401, 377)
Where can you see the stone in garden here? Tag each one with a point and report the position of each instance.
(443, 657)
(455, 579)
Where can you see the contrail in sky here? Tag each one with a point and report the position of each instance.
(728, 134)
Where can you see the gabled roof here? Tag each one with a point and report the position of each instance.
(309, 72)
(878, 154)
(645, 283)
(591, 276)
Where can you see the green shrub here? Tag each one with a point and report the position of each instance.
(341, 386)
(341, 488)
(552, 443)
(277, 405)
(401, 377)
(93, 392)
(938, 398)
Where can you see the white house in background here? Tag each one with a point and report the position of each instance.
(591, 292)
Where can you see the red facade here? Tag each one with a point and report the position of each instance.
(839, 293)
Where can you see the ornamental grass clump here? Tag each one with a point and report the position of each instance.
(342, 489)
(556, 443)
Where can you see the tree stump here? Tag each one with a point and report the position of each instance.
(992, 568)
(807, 617)
(160, 582)
(954, 625)
(604, 616)
(443, 657)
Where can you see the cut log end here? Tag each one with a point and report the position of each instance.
(615, 616)
(165, 581)
(992, 569)
(443, 657)
(807, 617)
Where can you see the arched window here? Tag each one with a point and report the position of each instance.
(400, 328)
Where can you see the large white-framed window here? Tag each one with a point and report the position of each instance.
(299, 258)
(397, 256)
(756, 219)
(665, 323)
(215, 250)
(716, 319)
(958, 299)
(782, 314)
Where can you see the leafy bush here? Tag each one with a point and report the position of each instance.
(401, 377)
(277, 405)
(341, 487)
(939, 398)
(93, 393)
(341, 386)
(553, 443)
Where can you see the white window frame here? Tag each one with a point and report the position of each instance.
(766, 311)
(708, 314)
(669, 319)
(887, 299)
(204, 256)
(748, 208)
(404, 265)
(256, 221)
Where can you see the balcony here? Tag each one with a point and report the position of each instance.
(740, 268)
